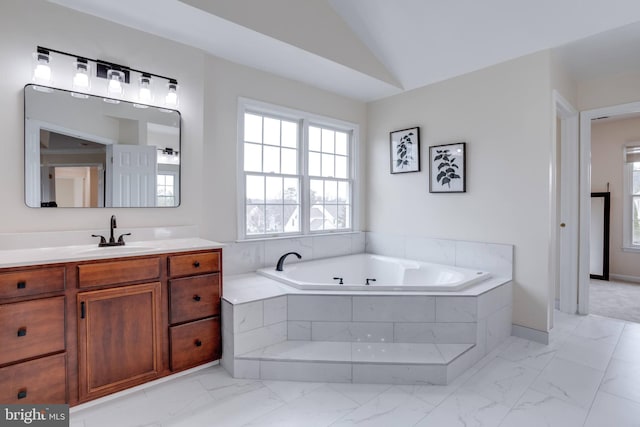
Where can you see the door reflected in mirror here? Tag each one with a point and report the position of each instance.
(89, 151)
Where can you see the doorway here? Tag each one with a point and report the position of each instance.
(586, 118)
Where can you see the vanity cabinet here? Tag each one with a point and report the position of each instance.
(194, 309)
(32, 336)
(75, 331)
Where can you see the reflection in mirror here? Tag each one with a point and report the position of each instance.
(88, 151)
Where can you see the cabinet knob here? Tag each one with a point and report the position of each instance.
(22, 394)
(196, 264)
(198, 343)
(197, 298)
(22, 332)
(22, 285)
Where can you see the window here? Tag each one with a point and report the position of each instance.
(631, 215)
(165, 183)
(297, 172)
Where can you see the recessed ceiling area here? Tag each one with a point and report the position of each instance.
(370, 49)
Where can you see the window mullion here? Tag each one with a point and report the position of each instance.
(305, 195)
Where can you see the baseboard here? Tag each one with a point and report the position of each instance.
(623, 278)
(530, 334)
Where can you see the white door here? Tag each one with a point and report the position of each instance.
(131, 175)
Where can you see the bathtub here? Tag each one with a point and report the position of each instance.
(384, 274)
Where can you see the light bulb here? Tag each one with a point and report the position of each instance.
(172, 95)
(42, 71)
(81, 77)
(115, 78)
(145, 90)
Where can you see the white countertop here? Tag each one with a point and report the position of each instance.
(244, 288)
(51, 255)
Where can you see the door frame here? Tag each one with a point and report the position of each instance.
(585, 192)
(564, 263)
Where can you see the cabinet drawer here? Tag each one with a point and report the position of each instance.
(31, 328)
(35, 382)
(31, 282)
(113, 272)
(195, 343)
(194, 297)
(190, 264)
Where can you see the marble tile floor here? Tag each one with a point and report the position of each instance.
(589, 375)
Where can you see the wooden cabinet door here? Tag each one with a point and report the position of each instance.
(119, 338)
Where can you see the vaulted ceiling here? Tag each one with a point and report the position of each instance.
(369, 49)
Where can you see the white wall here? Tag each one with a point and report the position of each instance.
(504, 114)
(609, 90)
(607, 145)
(208, 197)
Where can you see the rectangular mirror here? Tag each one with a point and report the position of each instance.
(93, 152)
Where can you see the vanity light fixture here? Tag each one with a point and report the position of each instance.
(42, 71)
(116, 75)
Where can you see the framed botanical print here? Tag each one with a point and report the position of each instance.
(405, 150)
(447, 168)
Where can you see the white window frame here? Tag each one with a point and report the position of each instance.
(304, 119)
(627, 202)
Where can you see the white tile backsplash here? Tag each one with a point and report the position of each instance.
(492, 257)
(438, 251)
(274, 249)
(330, 246)
(242, 257)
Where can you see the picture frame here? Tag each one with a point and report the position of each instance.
(448, 168)
(404, 150)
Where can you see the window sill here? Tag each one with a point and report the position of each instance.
(632, 249)
(300, 236)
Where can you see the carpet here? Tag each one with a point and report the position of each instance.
(619, 300)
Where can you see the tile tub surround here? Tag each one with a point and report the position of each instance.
(250, 255)
(494, 257)
(400, 339)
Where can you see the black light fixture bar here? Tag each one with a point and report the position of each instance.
(103, 66)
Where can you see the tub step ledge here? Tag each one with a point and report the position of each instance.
(358, 362)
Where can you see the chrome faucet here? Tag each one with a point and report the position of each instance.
(282, 258)
(112, 240)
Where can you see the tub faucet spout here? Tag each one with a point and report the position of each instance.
(283, 257)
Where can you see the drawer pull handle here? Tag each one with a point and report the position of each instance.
(22, 285)
(196, 264)
(22, 394)
(83, 310)
(198, 343)
(197, 298)
(22, 332)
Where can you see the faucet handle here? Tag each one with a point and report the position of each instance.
(102, 239)
(121, 240)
